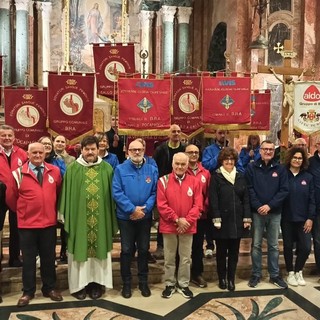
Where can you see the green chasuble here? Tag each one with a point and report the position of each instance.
(88, 209)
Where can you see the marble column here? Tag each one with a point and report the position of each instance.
(146, 18)
(22, 43)
(44, 11)
(168, 13)
(183, 35)
(5, 41)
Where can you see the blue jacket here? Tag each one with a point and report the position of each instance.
(210, 158)
(300, 202)
(112, 159)
(132, 186)
(267, 185)
(314, 169)
(245, 158)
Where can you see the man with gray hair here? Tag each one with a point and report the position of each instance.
(179, 201)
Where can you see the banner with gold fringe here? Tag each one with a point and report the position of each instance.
(110, 60)
(226, 101)
(187, 101)
(26, 112)
(70, 105)
(144, 106)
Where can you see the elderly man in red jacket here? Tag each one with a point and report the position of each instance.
(11, 157)
(34, 197)
(179, 201)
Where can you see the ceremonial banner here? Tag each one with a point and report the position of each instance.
(260, 111)
(307, 106)
(144, 106)
(226, 102)
(0, 70)
(70, 105)
(187, 100)
(109, 61)
(26, 112)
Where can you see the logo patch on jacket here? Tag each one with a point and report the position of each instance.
(50, 179)
(203, 179)
(190, 192)
(274, 174)
(19, 162)
(148, 180)
(304, 182)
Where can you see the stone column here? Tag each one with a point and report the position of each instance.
(146, 18)
(168, 13)
(5, 41)
(44, 11)
(22, 43)
(183, 35)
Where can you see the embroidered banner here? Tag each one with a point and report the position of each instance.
(0, 71)
(109, 61)
(187, 100)
(26, 111)
(260, 110)
(70, 105)
(144, 106)
(226, 101)
(306, 117)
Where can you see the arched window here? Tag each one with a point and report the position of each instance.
(216, 58)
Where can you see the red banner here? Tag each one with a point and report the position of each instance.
(109, 61)
(260, 110)
(70, 105)
(144, 106)
(226, 101)
(26, 112)
(0, 71)
(187, 100)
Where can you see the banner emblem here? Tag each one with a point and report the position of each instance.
(227, 102)
(144, 105)
(71, 104)
(112, 69)
(28, 116)
(188, 102)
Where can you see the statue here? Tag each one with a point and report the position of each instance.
(288, 94)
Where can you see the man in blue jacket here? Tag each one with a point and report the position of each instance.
(134, 191)
(268, 187)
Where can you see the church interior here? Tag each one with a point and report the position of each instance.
(170, 37)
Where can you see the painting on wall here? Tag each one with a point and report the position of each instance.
(92, 21)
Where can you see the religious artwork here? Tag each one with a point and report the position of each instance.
(278, 5)
(92, 21)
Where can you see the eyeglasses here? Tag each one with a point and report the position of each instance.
(267, 149)
(192, 152)
(46, 143)
(297, 158)
(229, 159)
(136, 150)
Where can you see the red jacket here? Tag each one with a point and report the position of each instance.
(35, 205)
(176, 201)
(18, 158)
(203, 176)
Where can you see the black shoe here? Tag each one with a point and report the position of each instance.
(151, 258)
(126, 291)
(231, 286)
(222, 284)
(0, 299)
(15, 263)
(80, 295)
(63, 257)
(95, 292)
(144, 288)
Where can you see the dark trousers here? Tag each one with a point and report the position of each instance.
(42, 242)
(227, 248)
(197, 248)
(209, 235)
(316, 240)
(14, 243)
(293, 232)
(131, 233)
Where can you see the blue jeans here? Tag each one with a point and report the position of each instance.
(134, 234)
(270, 223)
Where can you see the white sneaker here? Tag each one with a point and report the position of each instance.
(299, 278)
(208, 254)
(291, 279)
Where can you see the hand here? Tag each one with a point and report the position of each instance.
(138, 213)
(247, 225)
(183, 225)
(308, 226)
(264, 210)
(251, 153)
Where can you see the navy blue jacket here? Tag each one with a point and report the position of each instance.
(267, 185)
(314, 169)
(300, 202)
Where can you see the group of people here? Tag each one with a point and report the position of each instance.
(97, 194)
